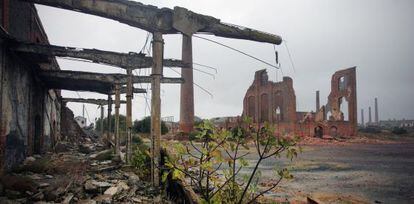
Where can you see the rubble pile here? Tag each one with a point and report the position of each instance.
(85, 173)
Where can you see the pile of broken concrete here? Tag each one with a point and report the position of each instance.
(85, 173)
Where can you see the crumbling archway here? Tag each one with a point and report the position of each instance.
(318, 131)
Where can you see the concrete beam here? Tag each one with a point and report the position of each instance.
(164, 20)
(123, 90)
(130, 60)
(100, 102)
(94, 82)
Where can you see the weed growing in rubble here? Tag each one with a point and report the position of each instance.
(213, 160)
(141, 160)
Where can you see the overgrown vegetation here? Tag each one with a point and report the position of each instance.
(139, 126)
(144, 126)
(214, 158)
(399, 130)
(141, 159)
(122, 123)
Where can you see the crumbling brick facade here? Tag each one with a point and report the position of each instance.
(29, 112)
(275, 102)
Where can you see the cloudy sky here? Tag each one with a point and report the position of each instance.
(323, 36)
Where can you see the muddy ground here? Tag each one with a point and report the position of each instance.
(371, 173)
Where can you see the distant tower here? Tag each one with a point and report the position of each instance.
(362, 118)
(369, 116)
(317, 101)
(376, 112)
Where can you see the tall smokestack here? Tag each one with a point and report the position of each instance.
(369, 116)
(317, 101)
(376, 111)
(362, 118)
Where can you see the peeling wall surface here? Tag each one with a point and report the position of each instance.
(30, 113)
(275, 102)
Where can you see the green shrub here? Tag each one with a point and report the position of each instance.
(144, 126)
(141, 160)
(399, 130)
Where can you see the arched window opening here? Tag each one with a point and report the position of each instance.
(264, 108)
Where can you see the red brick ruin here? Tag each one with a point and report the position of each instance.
(275, 102)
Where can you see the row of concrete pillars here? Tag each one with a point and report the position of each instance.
(186, 105)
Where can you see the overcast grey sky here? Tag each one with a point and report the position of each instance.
(323, 36)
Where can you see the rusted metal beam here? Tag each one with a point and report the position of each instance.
(164, 20)
(130, 60)
(100, 102)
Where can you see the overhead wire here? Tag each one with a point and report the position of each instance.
(205, 66)
(205, 90)
(237, 50)
(290, 56)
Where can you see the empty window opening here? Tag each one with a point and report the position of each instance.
(329, 115)
(264, 108)
(342, 83)
(344, 108)
(278, 115)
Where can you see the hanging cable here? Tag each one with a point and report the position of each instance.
(145, 44)
(202, 65)
(146, 100)
(290, 56)
(205, 90)
(239, 51)
(212, 75)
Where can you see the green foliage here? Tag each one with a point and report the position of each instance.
(399, 130)
(141, 160)
(215, 148)
(137, 140)
(144, 126)
(122, 123)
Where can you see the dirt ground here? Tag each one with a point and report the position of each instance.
(362, 170)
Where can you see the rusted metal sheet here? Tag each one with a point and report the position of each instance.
(164, 20)
(130, 60)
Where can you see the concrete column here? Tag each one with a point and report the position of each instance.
(362, 118)
(117, 105)
(102, 120)
(157, 66)
(187, 88)
(376, 112)
(109, 135)
(369, 116)
(128, 154)
(317, 102)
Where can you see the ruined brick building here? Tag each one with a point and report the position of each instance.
(275, 102)
(29, 111)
